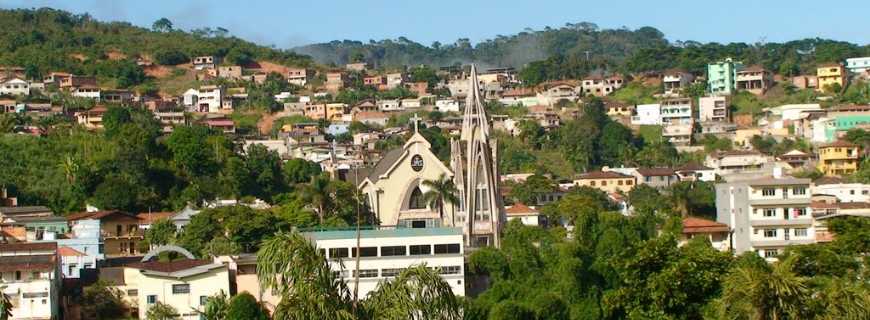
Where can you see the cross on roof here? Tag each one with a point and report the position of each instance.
(416, 120)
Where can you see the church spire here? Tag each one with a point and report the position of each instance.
(475, 113)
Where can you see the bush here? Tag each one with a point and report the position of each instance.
(245, 307)
(170, 57)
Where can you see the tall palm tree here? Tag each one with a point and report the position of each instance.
(300, 275)
(318, 192)
(441, 192)
(764, 292)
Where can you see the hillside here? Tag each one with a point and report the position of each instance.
(46, 40)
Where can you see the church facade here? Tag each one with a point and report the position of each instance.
(395, 187)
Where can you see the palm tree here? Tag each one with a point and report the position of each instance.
(441, 191)
(763, 292)
(318, 192)
(5, 305)
(300, 275)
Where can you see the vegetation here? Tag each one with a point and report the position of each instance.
(102, 301)
(161, 311)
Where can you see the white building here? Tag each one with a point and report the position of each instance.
(676, 111)
(675, 81)
(15, 87)
(447, 105)
(727, 162)
(858, 65)
(210, 99)
(389, 105)
(844, 192)
(527, 215)
(385, 253)
(190, 98)
(90, 92)
(713, 108)
(647, 114)
(30, 277)
(766, 215)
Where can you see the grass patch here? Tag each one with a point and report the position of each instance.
(246, 120)
(636, 93)
(179, 81)
(651, 133)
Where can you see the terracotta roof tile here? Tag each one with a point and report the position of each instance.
(519, 209)
(171, 266)
(840, 144)
(656, 171)
(151, 217)
(699, 225)
(602, 175)
(69, 252)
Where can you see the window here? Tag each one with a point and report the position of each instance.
(799, 191)
(592, 183)
(450, 248)
(770, 233)
(767, 192)
(392, 251)
(770, 212)
(416, 200)
(132, 292)
(418, 250)
(450, 270)
(366, 251)
(203, 300)
(603, 183)
(771, 253)
(367, 273)
(799, 212)
(619, 182)
(17, 275)
(800, 232)
(392, 272)
(335, 253)
(118, 229)
(180, 288)
(72, 268)
(88, 266)
(629, 182)
(152, 299)
(417, 224)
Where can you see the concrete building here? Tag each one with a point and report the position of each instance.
(205, 62)
(677, 120)
(527, 215)
(715, 232)
(647, 114)
(714, 109)
(721, 76)
(299, 76)
(841, 190)
(607, 181)
(766, 215)
(30, 277)
(858, 65)
(656, 177)
(736, 161)
(210, 98)
(384, 253)
(119, 231)
(675, 81)
(754, 79)
(336, 81)
(15, 87)
(831, 75)
(839, 158)
(695, 172)
(805, 81)
(600, 86)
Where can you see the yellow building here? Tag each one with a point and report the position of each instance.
(607, 181)
(830, 74)
(839, 158)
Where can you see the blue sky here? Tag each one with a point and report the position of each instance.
(291, 23)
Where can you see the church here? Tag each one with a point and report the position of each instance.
(395, 187)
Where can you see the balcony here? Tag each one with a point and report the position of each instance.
(122, 235)
(774, 242)
(773, 201)
(805, 220)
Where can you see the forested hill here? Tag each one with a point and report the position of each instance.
(516, 50)
(45, 40)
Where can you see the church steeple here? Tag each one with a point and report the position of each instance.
(475, 113)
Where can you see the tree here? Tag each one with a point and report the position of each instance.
(161, 311)
(756, 291)
(319, 194)
(528, 191)
(162, 25)
(161, 232)
(441, 192)
(216, 307)
(244, 306)
(5, 305)
(102, 301)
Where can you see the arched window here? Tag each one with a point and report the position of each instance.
(416, 201)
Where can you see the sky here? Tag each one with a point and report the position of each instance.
(289, 23)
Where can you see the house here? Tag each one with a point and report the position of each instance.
(725, 162)
(224, 125)
(87, 91)
(119, 231)
(357, 66)
(335, 81)
(72, 81)
(755, 79)
(396, 79)
(607, 181)
(229, 72)
(384, 253)
(243, 278)
(15, 87)
(92, 118)
(556, 92)
(81, 249)
(31, 279)
(210, 98)
(183, 284)
(334, 111)
(372, 118)
(675, 81)
(831, 76)
(600, 86)
(528, 216)
(657, 177)
(74, 262)
(447, 105)
(389, 105)
(55, 78)
(721, 76)
(205, 62)
(714, 109)
(170, 119)
(767, 214)
(841, 190)
(715, 232)
(616, 109)
(858, 65)
(839, 158)
(805, 82)
(299, 76)
(795, 158)
(695, 172)
(647, 114)
(116, 96)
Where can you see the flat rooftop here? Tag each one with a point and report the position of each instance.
(369, 232)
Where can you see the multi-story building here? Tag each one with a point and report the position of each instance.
(607, 181)
(30, 278)
(714, 109)
(766, 215)
(205, 62)
(675, 81)
(119, 231)
(600, 86)
(677, 120)
(831, 75)
(858, 65)
(335, 81)
(715, 232)
(656, 177)
(384, 253)
(736, 161)
(527, 215)
(839, 158)
(844, 192)
(299, 76)
(721, 76)
(15, 87)
(210, 98)
(754, 79)
(647, 114)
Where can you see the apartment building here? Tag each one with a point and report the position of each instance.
(675, 81)
(831, 75)
(766, 215)
(754, 79)
(119, 231)
(335, 81)
(299, 76)
(210, 98)
(839, 158)
(384, 253)
(30, 278)
(721, 76)
(714, 109)
(858, 65)
(726, 162)
(677, 120)
(205, 62)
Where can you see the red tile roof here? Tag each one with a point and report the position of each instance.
(840, 144)
(151, 217)
(698, 225)
(69, 252)
(656, 171)
(28, 246)
(519, 209)
(171, 266)
(603, 175)
(96, 215)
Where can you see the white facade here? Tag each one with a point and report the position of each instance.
(15, 87)
(447, 105)
(647, 114)
(29, 276)
(845, 192)
(676, 112)
(87, 92)
(713, 108)
(210, 99)
(385, 253)
(185, 289)
(858, 65)
(389, 105)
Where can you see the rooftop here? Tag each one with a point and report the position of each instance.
(699, 225)
(602, 175)
(519, 209)
(350, 233)
(656, 171)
